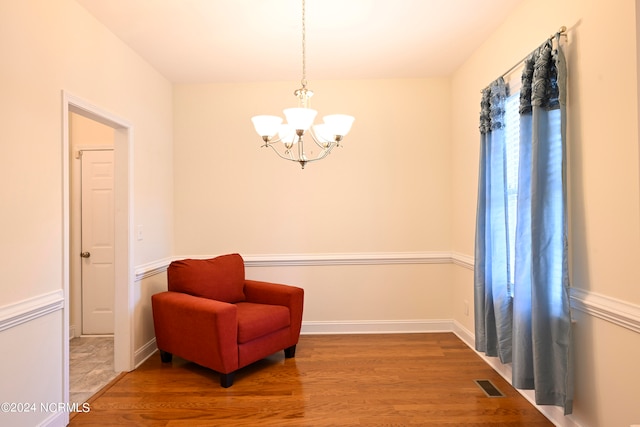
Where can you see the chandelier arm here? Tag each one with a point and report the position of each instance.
(320, 157)
(320, 144)
(270, 142)
(282, 156)
(324, 153)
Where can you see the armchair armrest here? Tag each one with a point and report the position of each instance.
(198, 329)
(272, 293)
(277, 294)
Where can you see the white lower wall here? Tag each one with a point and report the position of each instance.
(144, 334)
(348, 288)
(31, 369)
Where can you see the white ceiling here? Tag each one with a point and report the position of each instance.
(205, 41)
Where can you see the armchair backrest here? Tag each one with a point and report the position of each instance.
(220, 278)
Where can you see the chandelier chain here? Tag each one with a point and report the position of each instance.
(304, 49)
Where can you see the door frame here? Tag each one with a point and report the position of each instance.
(123, 187)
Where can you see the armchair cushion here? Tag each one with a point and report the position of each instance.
(258, 320)
(220, 278)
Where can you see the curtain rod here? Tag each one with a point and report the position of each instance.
(562, 31)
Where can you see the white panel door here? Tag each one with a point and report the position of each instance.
(98, 273)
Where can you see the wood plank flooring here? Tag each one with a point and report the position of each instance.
(334, 380)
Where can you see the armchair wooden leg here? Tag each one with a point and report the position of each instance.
(290, 352)
(166, 357)
(226, 380)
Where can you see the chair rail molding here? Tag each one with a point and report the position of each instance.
(462, 260)
(152, 268)
(333, 259)
(14, 314)
(613, 310)
(621, 313)
(297, 260)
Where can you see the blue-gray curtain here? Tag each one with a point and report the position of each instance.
(493, 302)
(540, 343)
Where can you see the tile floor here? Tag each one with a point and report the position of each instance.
(90, 366)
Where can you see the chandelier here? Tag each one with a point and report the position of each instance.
(287, 139)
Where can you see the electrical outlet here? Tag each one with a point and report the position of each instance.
(139, 232)
(466, 307)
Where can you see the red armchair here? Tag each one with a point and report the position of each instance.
(213, 316)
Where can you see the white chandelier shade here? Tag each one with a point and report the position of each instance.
(334, 126)
(300, 118)
(339, 124)
(267, 125)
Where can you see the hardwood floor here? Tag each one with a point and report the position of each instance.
(334, 380)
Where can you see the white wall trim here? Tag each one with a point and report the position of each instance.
(375, 258)
(613, 310)
(20, 312)
(145, 352)
(297, 260)
(376, 327)
(618, 312)
(152, 268)
(57, 419)
(462, 260)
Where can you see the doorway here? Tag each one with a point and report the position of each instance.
(92, 235)
(123, 274)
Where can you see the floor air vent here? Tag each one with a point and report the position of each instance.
(489, 389)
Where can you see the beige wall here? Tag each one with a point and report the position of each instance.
(47, 47)
(392, 174)
(603, 179)
(386, 191)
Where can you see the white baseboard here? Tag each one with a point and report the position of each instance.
(375, 327)
(144, 352)
(57, 419)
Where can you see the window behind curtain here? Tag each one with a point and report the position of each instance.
(512, 138)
